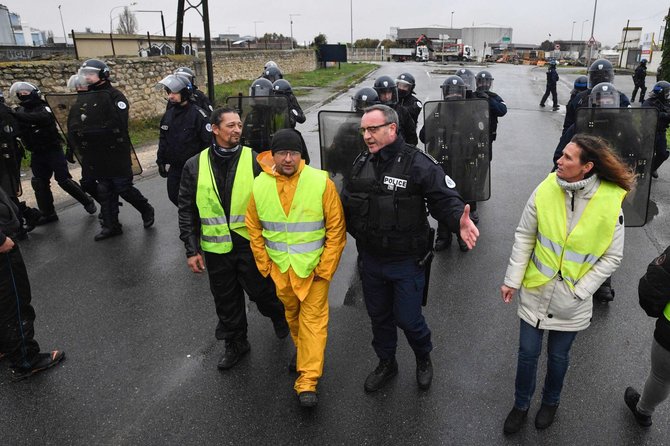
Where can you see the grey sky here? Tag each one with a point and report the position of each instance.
(531, 20)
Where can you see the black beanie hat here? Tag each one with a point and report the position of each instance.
(287, 139)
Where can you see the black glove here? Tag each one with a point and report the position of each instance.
(69, 155)
(162, 171)
(482, 94)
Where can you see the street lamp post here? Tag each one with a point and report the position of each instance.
(63, 25)
(581, 35)
(159, 11)
(290, 16)
(112, 10)
(255, 33)
(452, 19)
(573, 30)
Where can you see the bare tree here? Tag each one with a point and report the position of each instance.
(127, 22)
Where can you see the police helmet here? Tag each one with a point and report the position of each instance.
(187, 73)
(552, 63)
(581, 83)
(260, 87)
(77, 82)
(661, 90)
(406, 84)
(270, 63)
(24, 91)
(281, 87)
(484, 81)
(272, 74)
(643, 62)
(468, 77)
(604, 95)
(365, 97)
(96, 67)
(175, 83)
(453, 88)
(387, 90)
(600, 71)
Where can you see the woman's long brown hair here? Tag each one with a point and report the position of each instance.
(606, 164)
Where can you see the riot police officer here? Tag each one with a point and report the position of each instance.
(497, 107)
(660, 100)
(37, 129)
(97, 74)
(638, 80)
(600, 71)
(385, 203)
(197, 96)
(406, 98)
(552, 80)
(282, 87)
(184, 131)
(469, 80)
(387, 89)
(272, 73)
(580, 84)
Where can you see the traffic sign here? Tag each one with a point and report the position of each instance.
(591, 41)
(557, 47)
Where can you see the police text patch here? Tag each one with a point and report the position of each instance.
(394, 183)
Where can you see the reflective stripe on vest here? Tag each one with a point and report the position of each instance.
(571, 255)
(215, 228)
(295, 240)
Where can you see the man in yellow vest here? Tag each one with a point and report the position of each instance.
(297, 231)
(213, 196)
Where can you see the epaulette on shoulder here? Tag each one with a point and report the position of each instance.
(427, 155)
(202, 112)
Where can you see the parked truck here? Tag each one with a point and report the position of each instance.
(453, 50)
(402, 54)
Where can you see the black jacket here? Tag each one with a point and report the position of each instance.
(552, 77)
(9, 221)
(224, 175)
(654, 295)
(118, 98)
(37, 126)
(413, 105)
(497, 109)
(640, 75)
(184, 132)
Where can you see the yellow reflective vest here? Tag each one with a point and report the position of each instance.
(571, 255)
(296, 239)
(666, 312)
(215, 227)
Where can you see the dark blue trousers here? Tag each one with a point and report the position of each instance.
(393, 291)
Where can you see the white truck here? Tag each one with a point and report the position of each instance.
(452, 51)
(401, 54)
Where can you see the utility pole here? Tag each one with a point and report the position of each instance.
(593, 25)
(623, 45)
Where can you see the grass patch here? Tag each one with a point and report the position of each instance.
(144, 131)
(228, 89)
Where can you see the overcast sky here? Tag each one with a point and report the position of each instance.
(532, 20)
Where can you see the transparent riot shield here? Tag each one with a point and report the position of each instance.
(261, 117)
(457, 136)
(340, 143)
(630, 132)
(95, 130)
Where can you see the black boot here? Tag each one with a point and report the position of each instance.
(110, 220)
(424, 372)
(133, 196)
(108, 232)
(148, 216)
(74, 189)
(515, 419)
(235, 350)
(631, 398)
(387, 369)
(545, 416)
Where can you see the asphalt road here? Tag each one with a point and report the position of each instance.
(138, 328)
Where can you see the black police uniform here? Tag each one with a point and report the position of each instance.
(660, 142)
(497, 109)
(638, 80)
(552, 79)
(385, 207)
(581, 100)
(295, 113)
(233, 273)
(413, 106)
(202, 101)
(184, 132)
(109, 189)
(37, 129)
(407, 124)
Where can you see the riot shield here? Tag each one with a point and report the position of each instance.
(95, 131)
(340, 143)
(630, 132)
(261, 117)
(457, 136)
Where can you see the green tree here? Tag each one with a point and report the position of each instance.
(321, 39)
(664, 67)
(547, 46)
(366, 43)
(389, 43)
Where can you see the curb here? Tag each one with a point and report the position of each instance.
(340, 91)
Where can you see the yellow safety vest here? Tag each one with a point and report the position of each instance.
(295, 240)
(571, 255)
(215, 228)
(666, 311)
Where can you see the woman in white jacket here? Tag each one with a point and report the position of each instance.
(569, 240)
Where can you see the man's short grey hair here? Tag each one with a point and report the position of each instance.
(390, 115)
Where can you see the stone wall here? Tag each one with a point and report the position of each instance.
(137, 77)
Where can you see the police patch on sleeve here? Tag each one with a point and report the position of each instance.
(450, 183)
(419, 104)
(209, 127)
(48, 109)
(122, 105)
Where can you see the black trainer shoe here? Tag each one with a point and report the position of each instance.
(541, 104)
(308, 399)
(515, 419)
(555, 107)
(281, 328)
(235, 350)
(545, 416)
(106, 233)
(387, 369)
(631, 397)
(42, 362)
(424, 372)
(443, 243)
(148, 216)
(292, 367)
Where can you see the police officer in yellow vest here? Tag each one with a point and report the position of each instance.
(569, 240)
(213, 196)
(297, 230)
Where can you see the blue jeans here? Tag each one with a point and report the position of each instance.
(530, 347)
(393, 291)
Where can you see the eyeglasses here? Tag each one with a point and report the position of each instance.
(372, 129)
(291, 153)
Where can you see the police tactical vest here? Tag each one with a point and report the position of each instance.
(215, 228)
(296, 239)
(571, 255)
(387, 212)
